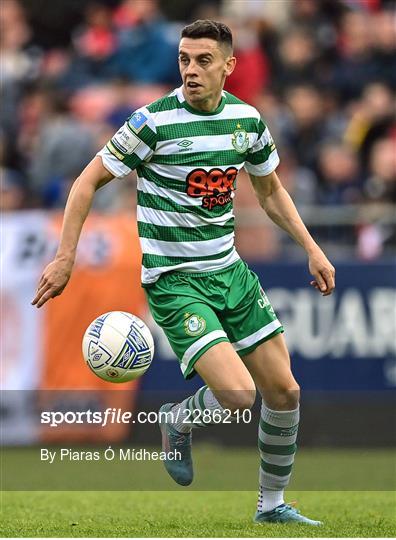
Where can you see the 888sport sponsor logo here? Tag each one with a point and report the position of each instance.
(216, 186)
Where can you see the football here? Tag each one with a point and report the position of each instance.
(118, 347)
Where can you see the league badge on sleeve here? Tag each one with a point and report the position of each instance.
(124, 141)
(137, 121)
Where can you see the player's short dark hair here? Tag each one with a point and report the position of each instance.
(208, 29)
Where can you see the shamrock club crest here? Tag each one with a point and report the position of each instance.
(194, 325)
(240, 139)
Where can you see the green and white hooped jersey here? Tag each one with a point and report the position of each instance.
(187, 162)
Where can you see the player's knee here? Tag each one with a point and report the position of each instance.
(289, 396)
(238, 400)
(284, 397)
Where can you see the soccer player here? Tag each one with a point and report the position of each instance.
(187, 149)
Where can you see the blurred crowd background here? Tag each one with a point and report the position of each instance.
(321, 72)
(323, 75)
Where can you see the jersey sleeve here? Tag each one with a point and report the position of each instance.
(262, 158)
(133, 143)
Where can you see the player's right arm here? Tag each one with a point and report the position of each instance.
(133, 143)
(57, 274)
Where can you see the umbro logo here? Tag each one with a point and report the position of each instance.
(185, 145)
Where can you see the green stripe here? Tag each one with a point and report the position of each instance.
(233, 100)
(203, 406)
(199, 407)
(132, 161)
(146, 134)
(188, 406)
(166, 103)
(169, 103)
(278, 449)
(157, 261)
(200, 397)
(161, 181)
(206, 128)
(278, 470)
(184, 234)
(261, 128)
(191, 407)
(156, 202)
(275, 430)
(218, 158)
(259, 157)
(200, 112)
(196, 414)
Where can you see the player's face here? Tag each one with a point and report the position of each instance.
(204, 65)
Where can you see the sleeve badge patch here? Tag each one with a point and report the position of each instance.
(137, 121)
(125, 141)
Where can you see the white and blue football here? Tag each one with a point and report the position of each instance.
(118, 346)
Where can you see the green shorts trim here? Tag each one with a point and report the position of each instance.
(198, 348)
(265, 337)
(248, 344)
(198, 311)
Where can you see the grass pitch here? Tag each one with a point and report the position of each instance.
(368, 510)
(196, 514)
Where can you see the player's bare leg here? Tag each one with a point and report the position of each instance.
(222, 370)
(269, 365)
(230, 388)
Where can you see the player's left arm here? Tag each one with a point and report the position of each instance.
(278, 205)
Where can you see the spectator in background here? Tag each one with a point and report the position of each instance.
(317, 19)
(297, 61)
(33, 108)
(302, 185)
(321, 20)
(251, 74)
(12, 191)
(94, 44)
(381, 184)
(355, 67)
(131, 12)
(96, 39)
(19, 61)
(305, 126)
(338, 174)
(321, 17)
(339, 184)
(61, 147)
(123, 104)
(383, 29)
(272, 109)
(318, 71)
(373, 117)
(376, 232)
(13, 186)
(147, 50)
(300, 182)
(16, 61)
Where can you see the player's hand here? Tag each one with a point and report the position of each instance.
(323, 272)
(53, 280)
